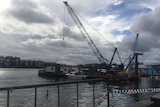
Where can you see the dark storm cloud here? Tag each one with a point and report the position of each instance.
(34, 46)
(60, 44)
(46, 42)
(37, 36)
(145, 43)
(148, 23)
(82, 58)
(27, 11)
(30, 16)
(148, 42)
(67, 32)
(11, 45)
(24, 4)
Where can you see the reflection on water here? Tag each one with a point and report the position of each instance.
(68, 97)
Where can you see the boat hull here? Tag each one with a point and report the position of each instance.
(76, 76)
(52, 74)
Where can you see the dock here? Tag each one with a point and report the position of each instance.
(153, 102)
(156, 99)
(144, 103)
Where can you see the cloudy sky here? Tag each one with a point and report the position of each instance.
(44, 30)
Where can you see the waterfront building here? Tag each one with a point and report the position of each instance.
(153, 68)
(14, 61)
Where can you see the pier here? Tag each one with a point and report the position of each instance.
(156, 100)
(153, 102)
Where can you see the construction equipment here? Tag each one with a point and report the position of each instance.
(85, 34)
(113, 56)
(134, 48)
(134, 55)
(112, 73)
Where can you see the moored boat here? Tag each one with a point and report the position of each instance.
(75, 75)
(51, 72)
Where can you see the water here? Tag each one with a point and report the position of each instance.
(25, 98)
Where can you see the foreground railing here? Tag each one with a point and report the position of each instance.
(58, 84)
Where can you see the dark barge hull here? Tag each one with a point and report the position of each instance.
(52, 75)
(115, 79)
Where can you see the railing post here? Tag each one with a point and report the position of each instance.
(108, 95)
(58, 97)
(93, 96)
(8, 98)
(77, 96)
(35, 98)
(34, 87)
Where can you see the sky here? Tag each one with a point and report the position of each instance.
(44, 30)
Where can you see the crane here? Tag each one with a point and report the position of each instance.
(85, 34)
(120, 66)
(134, 53)
(113, 56)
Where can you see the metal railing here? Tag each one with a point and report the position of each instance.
(93, 81)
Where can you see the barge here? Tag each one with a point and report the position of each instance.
(51, 72)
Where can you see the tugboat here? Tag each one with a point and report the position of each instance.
(51, 72)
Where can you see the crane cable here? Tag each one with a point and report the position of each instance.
(93, 27)
(99, 34)
(64, 13)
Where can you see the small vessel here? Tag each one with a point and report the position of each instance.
(51, 71)
(75, 75)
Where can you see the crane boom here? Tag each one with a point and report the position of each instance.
(112, 57)
(132, 55)
(86, 35)
(135, 44)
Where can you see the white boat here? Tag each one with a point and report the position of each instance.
(75, 75)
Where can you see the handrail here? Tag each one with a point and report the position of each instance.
(52, 84)
(55, 84)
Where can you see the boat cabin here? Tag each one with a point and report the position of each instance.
(50, 69)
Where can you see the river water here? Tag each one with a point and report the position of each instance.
(25, 98)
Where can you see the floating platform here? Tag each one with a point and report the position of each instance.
(115, 76)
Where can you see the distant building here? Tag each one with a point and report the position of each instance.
(14, 61)
(153, 68)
